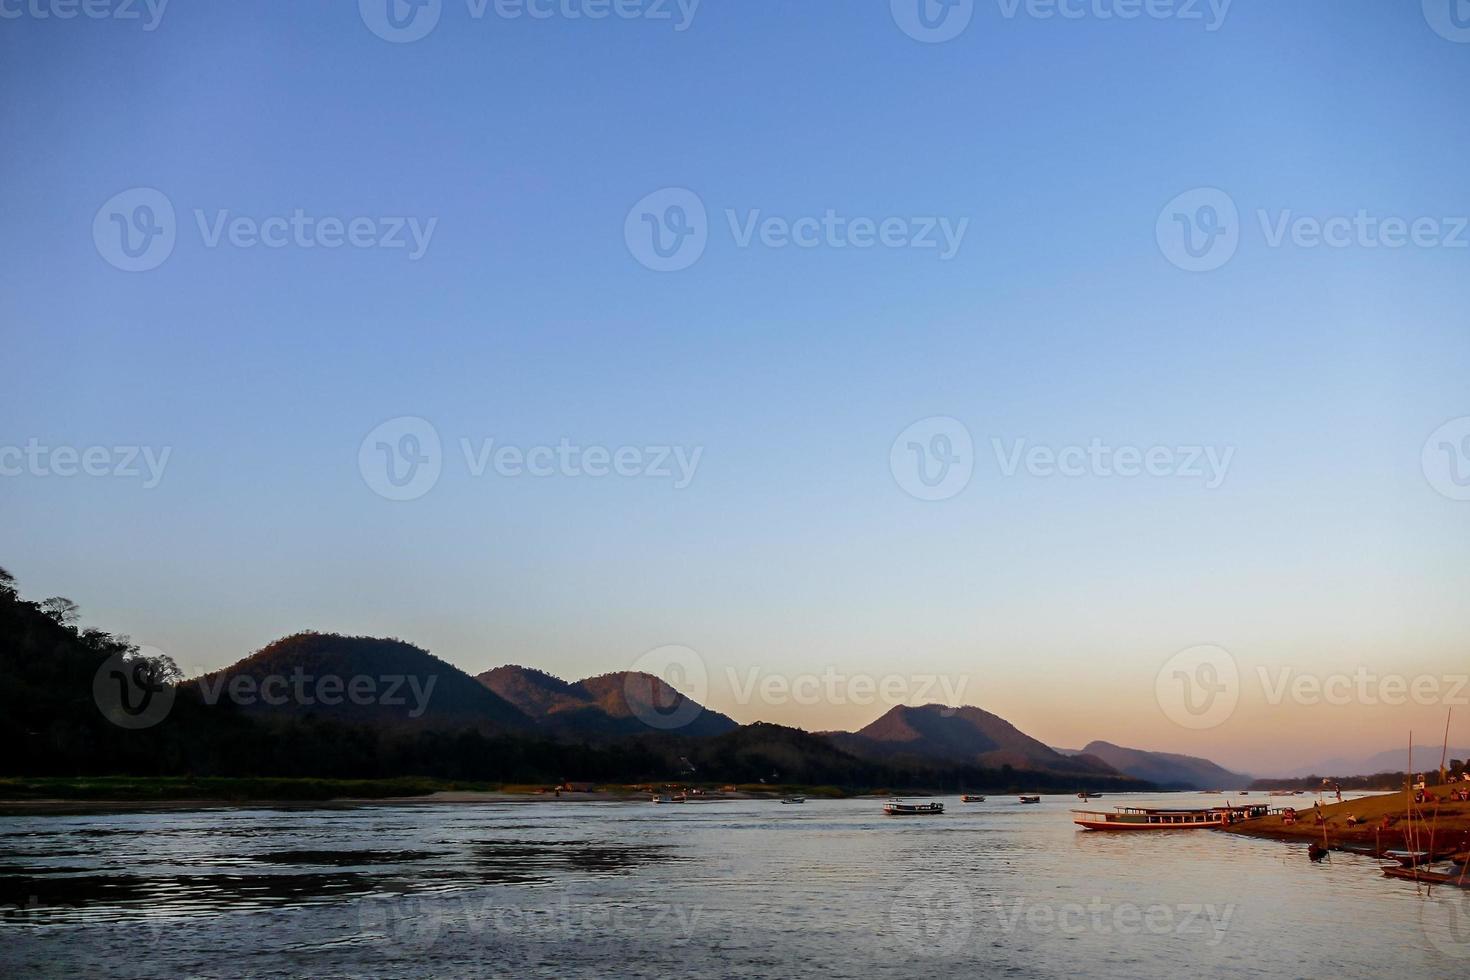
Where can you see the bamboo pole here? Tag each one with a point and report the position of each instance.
(1444, 752)
(1409, 835)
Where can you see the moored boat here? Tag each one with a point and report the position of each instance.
(1158, 818)
(1030, 799)
(667, 798)
(1447, 874)
(972, 798)
(898, 808)
(793, 800)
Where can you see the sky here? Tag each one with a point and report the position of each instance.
(975, 353)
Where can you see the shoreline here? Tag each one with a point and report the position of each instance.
(20, 796)
(84, 795)
(88, 807)
(1450, 823)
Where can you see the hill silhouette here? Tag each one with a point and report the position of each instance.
(1166, 769)
(966, 736)
(64, 717)
(360, 679)
(608, 705)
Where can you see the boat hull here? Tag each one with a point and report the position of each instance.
(902, 810)
(1120, 825)
(1430, 877)
(1148, 818)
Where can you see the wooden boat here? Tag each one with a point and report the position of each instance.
(1449, 876)
(793, 800)
(1154, 818)
(667, 798)
(898, 808)
(971, 798)
(1030, 799)
(1085, 795)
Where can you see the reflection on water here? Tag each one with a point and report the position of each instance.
(715, 889)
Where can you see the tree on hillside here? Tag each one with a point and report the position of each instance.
(156, 671)
(61, 609)
(7, 585)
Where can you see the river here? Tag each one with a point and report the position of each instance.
(728, 889)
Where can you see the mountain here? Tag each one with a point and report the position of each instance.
(535, 692)
(776, 754)
(609, 705)
(360, 679)
(1166, 769)
(82, 702)
(1426, 757)
(960, 736)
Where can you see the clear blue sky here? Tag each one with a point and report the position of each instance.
(794, 548)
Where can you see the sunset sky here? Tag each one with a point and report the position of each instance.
(1324, 541)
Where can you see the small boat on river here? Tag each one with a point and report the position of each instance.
(898, 808)
(793, 800)
(972, 798)
(1030, 799)
(667, 798)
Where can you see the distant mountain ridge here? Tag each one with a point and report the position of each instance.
(614, 704)
(1425, 759)
(1167, 770)
(323, 705)
(965, 736)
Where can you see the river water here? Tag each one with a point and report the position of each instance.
(738, 889)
